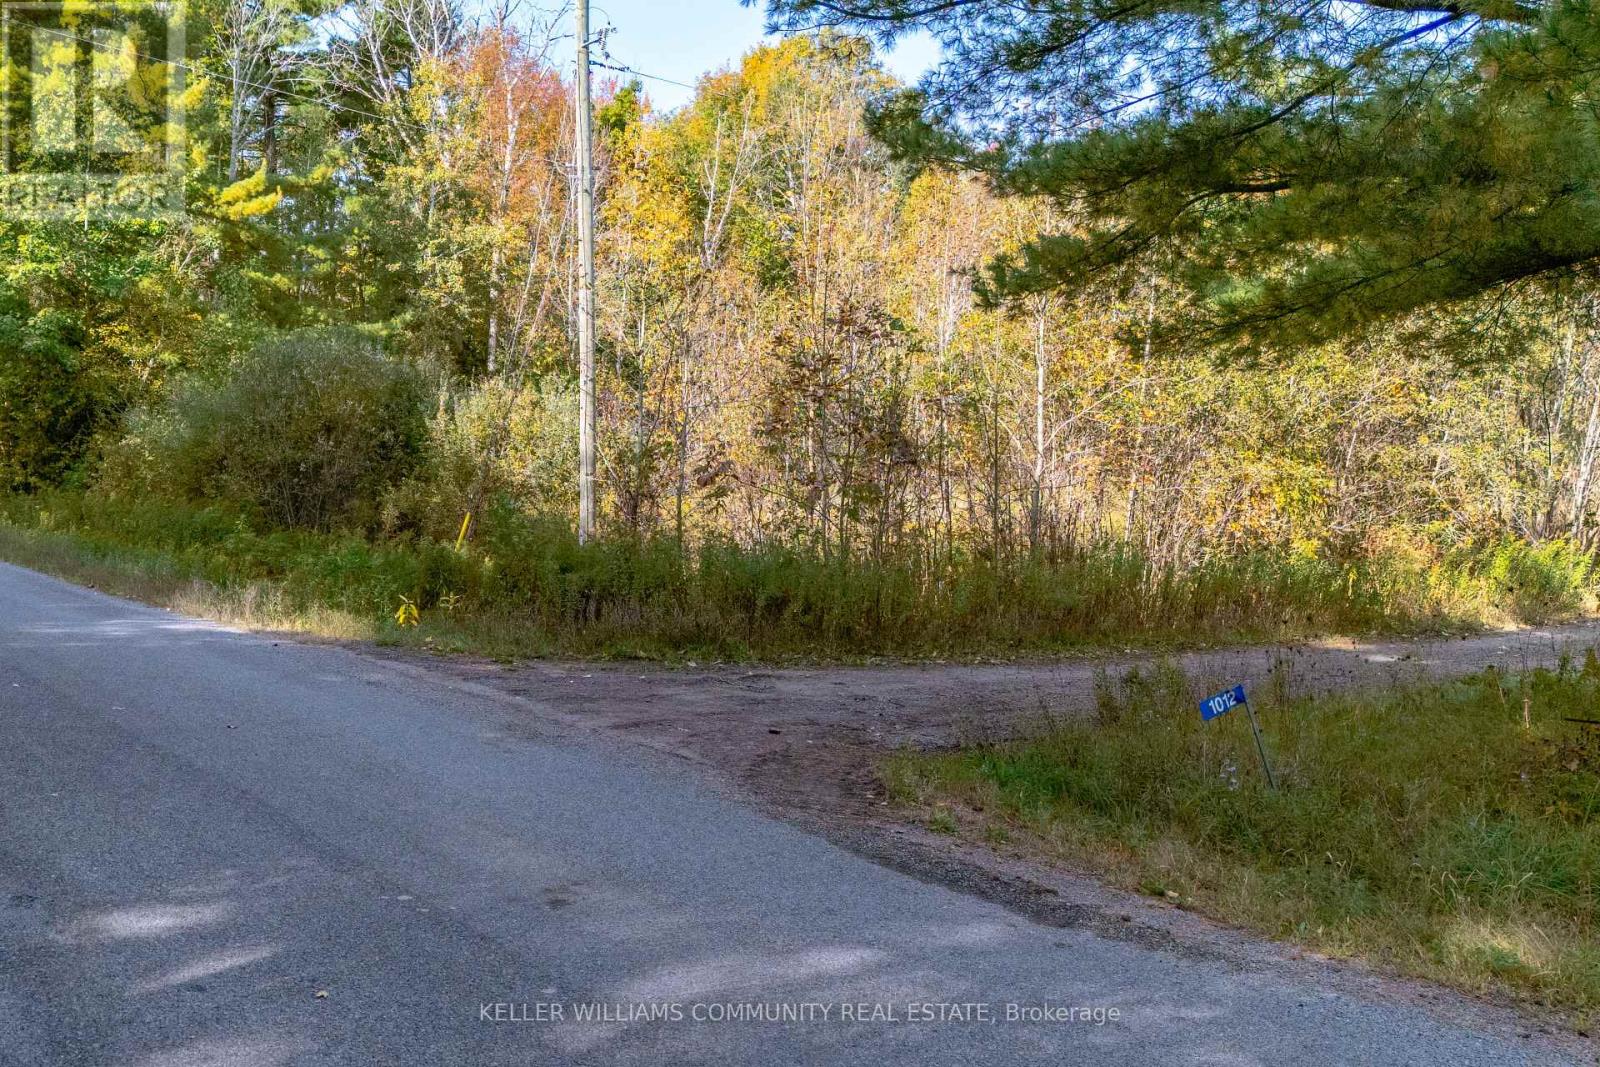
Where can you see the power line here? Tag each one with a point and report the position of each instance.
(603, 35)
(642, 74)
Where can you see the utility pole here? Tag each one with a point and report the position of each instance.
(586, 433)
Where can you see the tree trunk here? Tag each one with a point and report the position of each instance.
(269, 130)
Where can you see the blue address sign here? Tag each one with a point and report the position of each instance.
(1222, 703)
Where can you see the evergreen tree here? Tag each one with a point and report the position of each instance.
(1321, 164)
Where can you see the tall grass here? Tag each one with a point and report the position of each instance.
(525, 586)
(1435, 829)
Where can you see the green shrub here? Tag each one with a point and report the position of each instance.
(48, 409)
(307, 431)
(489, 440)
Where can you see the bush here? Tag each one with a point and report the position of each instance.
(490, 440)
(308, 431)
(48, 410)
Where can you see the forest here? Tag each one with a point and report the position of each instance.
(869, 380)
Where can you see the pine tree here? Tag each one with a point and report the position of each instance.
(1321, 165)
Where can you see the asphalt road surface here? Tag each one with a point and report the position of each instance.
(218, 849)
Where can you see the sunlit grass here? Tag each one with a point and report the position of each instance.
(1429, 828)
(524, 586)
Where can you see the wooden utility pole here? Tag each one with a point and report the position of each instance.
(586, 420)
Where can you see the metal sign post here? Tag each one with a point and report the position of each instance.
(1215, 706)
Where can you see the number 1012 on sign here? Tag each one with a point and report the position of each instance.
(1222, 703)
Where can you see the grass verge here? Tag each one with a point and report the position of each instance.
(1446, 831)
(524, 587)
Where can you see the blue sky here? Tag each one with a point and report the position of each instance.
(683, 39)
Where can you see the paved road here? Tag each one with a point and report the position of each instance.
(215, 849)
